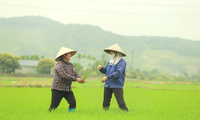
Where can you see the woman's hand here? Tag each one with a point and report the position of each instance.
(80, 80)
(104, 79)
(99, 67)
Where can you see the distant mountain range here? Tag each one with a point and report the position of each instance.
(42, 36)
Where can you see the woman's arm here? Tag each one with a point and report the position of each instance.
(62, 70)
(103, 69)
(76, 74)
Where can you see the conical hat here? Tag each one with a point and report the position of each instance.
(64, 50)
(116, 48)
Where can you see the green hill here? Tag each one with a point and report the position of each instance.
(42, 36)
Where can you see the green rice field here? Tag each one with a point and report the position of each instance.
(145, 101)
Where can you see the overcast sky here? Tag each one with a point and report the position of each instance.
(169, 18)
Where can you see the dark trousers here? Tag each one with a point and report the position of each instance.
(57, 97)
(118, 95)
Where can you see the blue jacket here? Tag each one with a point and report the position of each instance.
(115, 74)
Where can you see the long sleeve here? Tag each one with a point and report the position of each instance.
(104, 69)
(76, 74)
(65, 72)
(120, 68)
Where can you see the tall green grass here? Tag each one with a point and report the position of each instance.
(144, 104)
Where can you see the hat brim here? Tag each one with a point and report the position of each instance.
(115, 48)
(60, 56)
(107, 51)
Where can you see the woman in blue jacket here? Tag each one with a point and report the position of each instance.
(115, 77)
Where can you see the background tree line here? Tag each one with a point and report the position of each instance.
(155, 75)
(8, 64)
(31, 57)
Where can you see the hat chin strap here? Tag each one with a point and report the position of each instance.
(67, 58)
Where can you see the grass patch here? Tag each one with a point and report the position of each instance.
(33, 103)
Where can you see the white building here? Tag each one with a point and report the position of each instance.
(27, 66)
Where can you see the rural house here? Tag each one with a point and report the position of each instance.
(27, 66)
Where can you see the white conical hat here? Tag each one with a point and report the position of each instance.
(64, 50)
(116, 48)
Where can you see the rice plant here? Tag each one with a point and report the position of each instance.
(85, 76)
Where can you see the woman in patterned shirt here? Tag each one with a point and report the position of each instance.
(63, 77)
